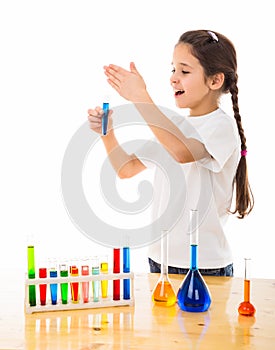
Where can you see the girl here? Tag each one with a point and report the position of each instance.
(209, 145)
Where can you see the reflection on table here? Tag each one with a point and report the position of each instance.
(148, 326)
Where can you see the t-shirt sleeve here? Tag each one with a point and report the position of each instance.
(220, 140)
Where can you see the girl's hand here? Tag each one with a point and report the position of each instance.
(95, 119)
(129, 84)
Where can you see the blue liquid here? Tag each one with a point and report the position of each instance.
(126, 289)
(193, 294)
(53, 288)
(126, 268)
(105, 118)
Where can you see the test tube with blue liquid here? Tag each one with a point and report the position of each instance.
(53, 286)
(105, 108)
(126, 269)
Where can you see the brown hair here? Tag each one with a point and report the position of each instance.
(217, 54)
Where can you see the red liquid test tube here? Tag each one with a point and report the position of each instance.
(43, 287)
(75, 285)
(116, 269)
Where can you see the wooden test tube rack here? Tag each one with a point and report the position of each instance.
(103, 302)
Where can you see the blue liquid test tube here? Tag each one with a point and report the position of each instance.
(126, 268)
(105, 118)
(53, 287)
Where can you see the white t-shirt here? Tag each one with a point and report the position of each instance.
(205, 185)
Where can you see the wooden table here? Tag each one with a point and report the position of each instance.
(146, 326)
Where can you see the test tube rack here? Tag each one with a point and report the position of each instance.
(103, 302)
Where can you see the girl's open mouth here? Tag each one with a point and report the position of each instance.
(179, 92)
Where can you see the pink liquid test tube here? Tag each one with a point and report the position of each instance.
(85, 285)
(43, 287)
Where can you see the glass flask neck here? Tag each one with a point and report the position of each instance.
(247, 273)
(163, 293)
(247, 268)
(164, 253)
(194, 257)
(194, 237)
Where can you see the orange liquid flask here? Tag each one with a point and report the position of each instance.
(246, 308)
(163, 293)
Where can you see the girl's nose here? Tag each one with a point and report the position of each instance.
(174, 79)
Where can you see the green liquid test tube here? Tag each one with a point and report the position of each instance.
(64, 286)
(31, 274)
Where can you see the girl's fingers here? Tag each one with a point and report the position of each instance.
(95, 116)
(95, 112)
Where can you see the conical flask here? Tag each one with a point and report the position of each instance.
(193, 294)
(163, 293)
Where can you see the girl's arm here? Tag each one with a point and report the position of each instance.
(131, 86)
(124, 164)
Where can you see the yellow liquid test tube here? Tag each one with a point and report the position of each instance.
(104, 268)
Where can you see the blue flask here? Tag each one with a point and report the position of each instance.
(193, 294)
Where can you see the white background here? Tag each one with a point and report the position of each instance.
(52, 54)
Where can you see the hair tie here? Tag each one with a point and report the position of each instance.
(243, 153)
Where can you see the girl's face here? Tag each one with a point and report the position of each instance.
(191, 88)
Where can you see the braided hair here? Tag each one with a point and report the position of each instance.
(217, 54)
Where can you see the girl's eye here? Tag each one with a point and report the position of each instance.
(183, 71)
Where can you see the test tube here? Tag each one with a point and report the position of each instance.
(85, 285)
(104, 269)
(31, 274)
(126, 268)
(105, 117)
(95, 284)
(116, 269)
(64, 286)
(74, 285)
(43, 287)
(53, 286)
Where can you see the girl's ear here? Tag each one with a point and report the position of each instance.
(216, 81)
